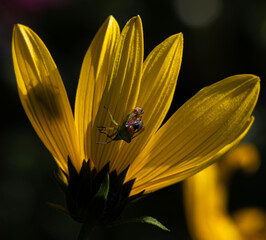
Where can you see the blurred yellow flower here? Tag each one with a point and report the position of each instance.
(114, 75)
(206, 197)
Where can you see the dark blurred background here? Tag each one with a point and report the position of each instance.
(221, 38)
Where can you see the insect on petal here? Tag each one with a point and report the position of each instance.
(160, 73)
(121, 93)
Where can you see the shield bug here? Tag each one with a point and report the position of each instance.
(130, 128)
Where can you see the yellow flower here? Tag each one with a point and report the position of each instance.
(114, 75)
(206, 198)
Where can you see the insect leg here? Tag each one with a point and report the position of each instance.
(111, 116)
(138, 132)
(111, 136)
(103, 129)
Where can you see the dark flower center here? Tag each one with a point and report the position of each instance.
(96, 197)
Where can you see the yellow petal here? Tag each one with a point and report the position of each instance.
(121, 92)
(205, 200)
(92, 81)
(251, 223)
(161, 69)
(204, 128)
(245, 157)
(43, 96)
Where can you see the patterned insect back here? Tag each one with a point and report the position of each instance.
(131, 127)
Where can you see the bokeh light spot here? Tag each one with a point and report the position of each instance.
(198, 13)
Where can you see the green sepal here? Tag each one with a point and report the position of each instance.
(116, 197)
(104, 189)
(97, 197)
(77, 195)
(95, 209)
(99, 178)
(85, 180)
(98, 202)
(58, 207)
(144, 219)
(87, 192)
(118, 180)
(62, 185)
(153, 221)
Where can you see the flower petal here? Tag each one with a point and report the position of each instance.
(92, 81)
(205, 127)
(245, 156)
(161, 69)
(121, 92)
(205, 199)
(251, 222)
(43, 96)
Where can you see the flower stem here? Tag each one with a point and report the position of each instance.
(85, 231)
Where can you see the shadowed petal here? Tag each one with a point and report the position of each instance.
(92, 81)
(205, 127)
(43, 96)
